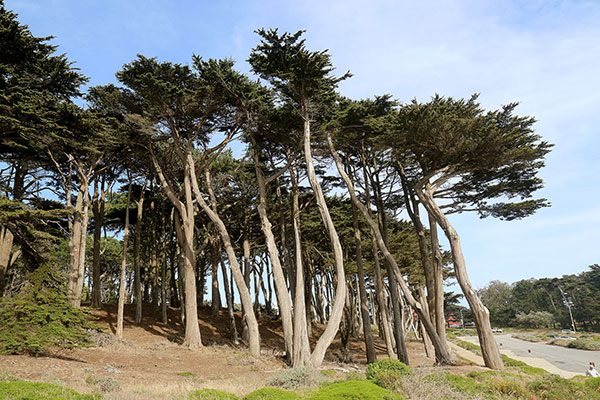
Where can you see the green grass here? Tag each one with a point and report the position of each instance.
(40, 391)
(353, 390)
(270, 393)
(186, 374)
(211, 394)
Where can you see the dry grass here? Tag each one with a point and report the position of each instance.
(416, 387)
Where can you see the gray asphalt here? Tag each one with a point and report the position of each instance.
(573, 360)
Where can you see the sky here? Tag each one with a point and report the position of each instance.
(544, 54)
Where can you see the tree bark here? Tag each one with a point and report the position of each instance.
(364, 308)
(489, 348)
(253, 332)
(137, 277)
(340, 292)
(301, 349)
(229, 298)
(121, 302)
(281, 290)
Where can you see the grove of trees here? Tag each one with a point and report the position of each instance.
(133, 193)
(558, 302)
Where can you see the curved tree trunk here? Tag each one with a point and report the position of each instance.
(253, 332)
(340, 292)
(283, 297)
(489, 347)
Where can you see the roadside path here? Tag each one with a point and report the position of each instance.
(554, 359)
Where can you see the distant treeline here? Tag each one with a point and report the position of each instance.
(525, 302)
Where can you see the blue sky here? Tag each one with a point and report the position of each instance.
(544, 54)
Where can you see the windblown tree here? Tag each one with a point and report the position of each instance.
(35, 87)
(304, 79)
(466, 159)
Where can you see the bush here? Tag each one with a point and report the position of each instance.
(584, 342)
(272, 394)
(40, 391)
(41, 316)
(297, 378)
(354, 390)
(538, 319)
(211, 394)
(388, 373)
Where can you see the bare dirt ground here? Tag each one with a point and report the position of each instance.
(150, 363)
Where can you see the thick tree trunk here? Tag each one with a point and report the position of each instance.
(301, 349)
(443, 355)
(489, 347)
(6, 243)
(186, 240)
(438, 281)
(77, 244)
(121, 302)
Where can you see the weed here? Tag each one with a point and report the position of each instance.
(272, 394)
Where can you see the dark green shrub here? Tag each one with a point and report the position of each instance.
(40, 391)
(211, 394)
(41, 316)
(388, 373)
(354, 390)
(272, 394)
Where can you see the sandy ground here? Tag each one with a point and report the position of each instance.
(150, 363)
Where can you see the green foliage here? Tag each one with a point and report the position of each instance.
(40, 391)
(296, 378)
(186, 374)
(536, 319)
(40, 317)
(555, 387)
(585, 342)
(532, 370)
(272, 394)
(388, 373)
(354, 390)
(211, 394)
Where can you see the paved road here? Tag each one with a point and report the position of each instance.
(573, 360)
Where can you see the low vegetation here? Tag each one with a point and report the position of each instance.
(40, 391)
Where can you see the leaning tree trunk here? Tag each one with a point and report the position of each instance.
(443, 356)
(253, 332)
(121, 302)
(489, 347)
(340, 292)
(438, 280)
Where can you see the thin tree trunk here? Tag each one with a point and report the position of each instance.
(121, 303)
(98, 205)
(364, 308)
(429, 350)
(215, 293)
(281, 289)
(6, 244)
(229, 298)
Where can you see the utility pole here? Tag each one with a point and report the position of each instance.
(568, 303)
